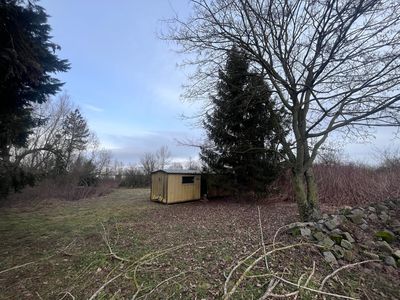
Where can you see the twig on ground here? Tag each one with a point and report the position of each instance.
(248, 269)
(64, 251)
(271, 286)
(112, 253)
(262, 238)
(137, 292)
(67, 294)
(159, 284)
(104, 285)
(311, 274)
(342, 268)
(313, 290)
(234, 269)
(20, 266)
(284, 296)
(36, 261)
(153, 255)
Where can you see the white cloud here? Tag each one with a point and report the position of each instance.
(92, 107)
(130, 148)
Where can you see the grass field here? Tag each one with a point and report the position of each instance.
(139, 249)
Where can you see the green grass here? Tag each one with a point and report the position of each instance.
(64, 240)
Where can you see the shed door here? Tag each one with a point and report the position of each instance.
(158, 186)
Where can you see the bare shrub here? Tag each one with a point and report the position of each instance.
(346, 184)
(356, 184)
(63, 188)
(135, 177)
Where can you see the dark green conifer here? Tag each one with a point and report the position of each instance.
(27, 64)
(243, 128)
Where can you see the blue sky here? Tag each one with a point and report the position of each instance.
(124, 78)
(127, 82)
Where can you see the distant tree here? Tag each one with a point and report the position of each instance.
(148, 162)
(75, 135)
(192, 164)
(330, 154)
(163, 157)
(176, 165)
(27, 62)
(244, 129)
(45, 141)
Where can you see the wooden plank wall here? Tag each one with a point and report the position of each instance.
(181, 192)
(159, 186)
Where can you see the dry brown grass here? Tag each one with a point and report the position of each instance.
(347, 184)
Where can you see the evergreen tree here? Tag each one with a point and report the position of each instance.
(244, 128)
(27, 62)
(75, 134)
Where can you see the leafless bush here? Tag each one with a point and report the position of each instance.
(135, 177)
(63, 188)
(347, 184)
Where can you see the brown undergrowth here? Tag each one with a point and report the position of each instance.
(346, 184)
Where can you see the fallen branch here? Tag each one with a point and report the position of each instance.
(262, 238)
(234, 269)
(271, 286)
(137, 292)
(67, 294)
(159, 284)
(112, 253)
(153, 255)
(248, 269)
(313, 290)
(20, 266)
(36, 261)
(104, 285)
(342, 268)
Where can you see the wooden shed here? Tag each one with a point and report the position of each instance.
(174, 186)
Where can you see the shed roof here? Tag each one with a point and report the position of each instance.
(179, 171)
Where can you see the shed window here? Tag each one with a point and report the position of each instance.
(187, 179)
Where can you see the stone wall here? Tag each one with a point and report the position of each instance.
(359, 233)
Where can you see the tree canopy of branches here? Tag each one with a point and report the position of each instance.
(332, 64)
(149, 163)
(27, 62)
(243, 128)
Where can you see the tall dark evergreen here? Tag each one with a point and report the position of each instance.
(243, 128)
(27, 65)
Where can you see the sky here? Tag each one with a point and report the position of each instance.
(127, 81)
(124, 78)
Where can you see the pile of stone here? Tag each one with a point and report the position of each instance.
(369, 233)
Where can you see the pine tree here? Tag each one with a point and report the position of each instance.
(244, 128)
(75, 134)
(27, 62)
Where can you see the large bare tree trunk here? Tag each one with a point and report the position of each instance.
(306, 194)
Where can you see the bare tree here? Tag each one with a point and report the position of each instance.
(148, 162)
(45, 140)
(192, 164)
(332, 64)
(163, 157)
(176, 165)
(330, 154)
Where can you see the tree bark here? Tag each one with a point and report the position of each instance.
(306, 194)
